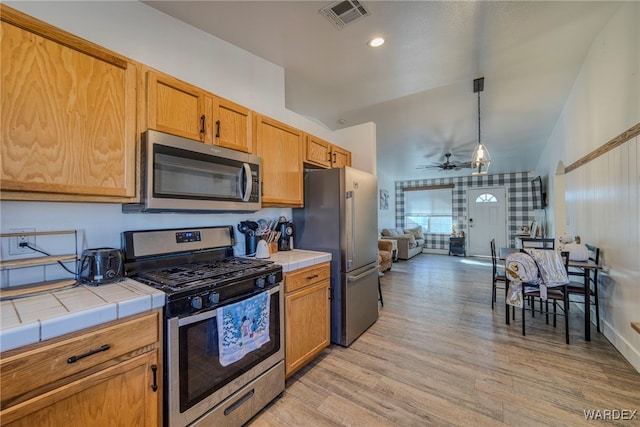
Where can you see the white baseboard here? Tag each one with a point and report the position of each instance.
(435, 251)
(612, 335)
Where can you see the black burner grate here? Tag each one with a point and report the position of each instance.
(183, 275)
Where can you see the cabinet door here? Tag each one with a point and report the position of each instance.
(317, 152)
(233, 125)
(68, 115)
(120, 395)
(307, 325)
(340, 157)
(280, 147)
(178, 108)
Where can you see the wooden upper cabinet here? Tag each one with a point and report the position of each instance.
(178, 108)
(233, 125)
(317, 152)
(68, 113)
(340, 157)
(323, 154)
(281, 149)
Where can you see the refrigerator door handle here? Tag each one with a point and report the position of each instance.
(365, 274)
(350, 222)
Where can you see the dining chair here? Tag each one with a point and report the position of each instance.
(530, 242)
(498, 275)
(577, 288)
(554, 294)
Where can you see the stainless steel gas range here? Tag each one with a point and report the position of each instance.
(224, 348)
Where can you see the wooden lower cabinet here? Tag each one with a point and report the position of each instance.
(119, 386)
(307, 315)
(120, 395)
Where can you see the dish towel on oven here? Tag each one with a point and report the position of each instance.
(242, 327)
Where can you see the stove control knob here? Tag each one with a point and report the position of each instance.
(214, 298)
(196, 302)
(260, 282)
(271, 279)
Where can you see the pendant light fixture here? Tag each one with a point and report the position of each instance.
(480, 159)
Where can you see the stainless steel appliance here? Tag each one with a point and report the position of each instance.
(340, 216)
(197, 270)
(179, 174)
(101, 266)
(287, 235)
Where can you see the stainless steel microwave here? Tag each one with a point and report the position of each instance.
(182, 175)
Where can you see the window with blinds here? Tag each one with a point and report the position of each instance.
(432, 208)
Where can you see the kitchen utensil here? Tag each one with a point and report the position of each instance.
(101, 266)
(262, 250)
(285, 240)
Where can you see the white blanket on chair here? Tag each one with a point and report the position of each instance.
(550, 267)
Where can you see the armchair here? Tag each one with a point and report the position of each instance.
(385, 261)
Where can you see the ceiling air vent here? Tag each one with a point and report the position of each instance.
(343, 12)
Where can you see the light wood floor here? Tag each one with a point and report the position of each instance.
(438, 355)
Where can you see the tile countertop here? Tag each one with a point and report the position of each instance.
(36, 318)
(40, 317)
(298, 258)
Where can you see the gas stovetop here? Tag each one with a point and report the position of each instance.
(195, 267)
(182, 277)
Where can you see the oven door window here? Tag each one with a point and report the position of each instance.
(201, 373)
(180, 174)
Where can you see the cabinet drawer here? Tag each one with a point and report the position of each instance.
(301, 278)
(52, 364)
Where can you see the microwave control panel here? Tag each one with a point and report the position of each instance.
(255, 184)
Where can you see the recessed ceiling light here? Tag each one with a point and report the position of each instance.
(376, 42)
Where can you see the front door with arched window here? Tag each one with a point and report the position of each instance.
(487, 209)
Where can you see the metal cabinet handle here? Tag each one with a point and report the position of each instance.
(74, 359)
(328, 156)
(217, 128)
(202, 123)
(154, 369)
(312, 277)
(334, 157)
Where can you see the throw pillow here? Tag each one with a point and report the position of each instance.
(389, 232)
(417, 232)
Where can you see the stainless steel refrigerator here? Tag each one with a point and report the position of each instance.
(340, 216)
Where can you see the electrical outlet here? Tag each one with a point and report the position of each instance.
(14, 246)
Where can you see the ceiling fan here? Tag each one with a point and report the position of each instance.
(447, 165)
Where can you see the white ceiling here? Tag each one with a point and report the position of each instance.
(418, 87)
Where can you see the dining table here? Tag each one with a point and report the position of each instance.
(586, 267)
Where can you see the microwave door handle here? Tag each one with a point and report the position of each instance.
(245, 178)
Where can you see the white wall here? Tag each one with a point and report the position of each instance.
(602, 197)
(155, 39)
(387, 218)
(360, 139)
